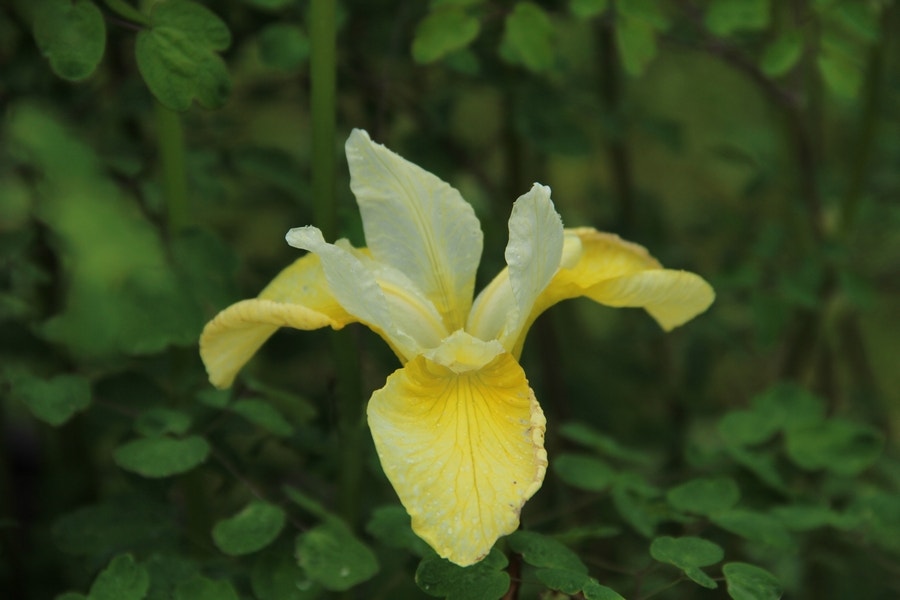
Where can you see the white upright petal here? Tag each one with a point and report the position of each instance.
(355, 287)
(533, 254)
(418, 224)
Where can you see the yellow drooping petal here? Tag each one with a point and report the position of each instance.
(298, 297)
(463, 450)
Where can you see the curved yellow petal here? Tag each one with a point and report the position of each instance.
(617, 273)
(298, 297)
(463, 450)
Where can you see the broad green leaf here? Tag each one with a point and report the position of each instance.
(602, 443)
(264, 415)
(584, 472)
(636, 43)
(649, 12)
(214, 398)
(177, 56)
(332, 556)
(790, 405)
(594, 591)
(840, 64)
(879, 512)
(528, 38)
(837, 445)
(392, 527)
(724, 17)
(72, 35)
(782, 54)
(749, 582)
(557, 566)
(761, 463)
(798, 517)
(704, 496)
(167, 572)
(201, 588)
(95, 530)
(55, 400)
(250, 530)
(283, 46)
(754, 526)
(697, 575)
(637, 506)
(276, 576)
(686, 552)
(485, 580)
(746, 427)
(161, 457)
(443, 31)
(585, 9)
(296, 408)
(160, 421)
(122, 579)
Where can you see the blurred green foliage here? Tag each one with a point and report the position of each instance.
(153, 154)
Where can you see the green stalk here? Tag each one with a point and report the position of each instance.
(126, 11)
(323, 75)
(172, 163)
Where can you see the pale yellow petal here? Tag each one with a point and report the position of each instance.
(298, 297)
(418, 224)
(464, 451)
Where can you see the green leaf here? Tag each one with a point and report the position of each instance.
(594, 591)
(162, 457)
(443, 31)
(837, 445)
(761, 463)
(584, 472)
(528, 38)
(297, 408)
(704, 496)
(724, 17)
(334, 557)
(201, 588)
(55, 400)
(99, 529)
(754, 526)
(177, 56)
(746, 427)
(749, 582)
(122, 579)
(276, 576)
(636, 43)
(264, 415)
(782, 54)
(391, 526)
(602, 443)
(558, 567)
(637, 505)
(250, 530)
(283, 46)
(72, 35)
(270, 5)
(649, 12)
(167, 572)
(879, 512)
(840, 66)
(790, 405)
(159, 421)
(485, 580)
(586, 9)
(797, 517)
(214, 398)
(686, 552)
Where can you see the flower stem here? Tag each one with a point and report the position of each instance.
(172, 162)
(323, 83)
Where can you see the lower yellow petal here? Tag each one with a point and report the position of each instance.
(464, 451)
(298, 297)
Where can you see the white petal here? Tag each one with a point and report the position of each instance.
(418, 224)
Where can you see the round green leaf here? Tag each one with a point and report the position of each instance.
(56, 400)
(72, 35)
(161, 457)
(264, 415)
(276, 576)
(748, 582)
(840, 446)
(594, 591)
(636, 43)
(392, 527)
(160, 421)
(782, 54)
(122, 579)
(686, 552)
(584, 472)
(746, 427)
(442, 32)
(754, 526)
(177, 56)
(283, 46)
(252, 529)
(201, 588)
(528, 37)
(724, 17)
(585, 9)
(332, 556)
(704, 496)
(484, 580)
(558, 567)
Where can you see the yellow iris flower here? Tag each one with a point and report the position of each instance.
(458, 430)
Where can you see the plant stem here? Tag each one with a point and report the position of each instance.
(172, 162)
(126, 11)
(323, 82)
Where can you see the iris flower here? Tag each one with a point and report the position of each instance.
(457, 428)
